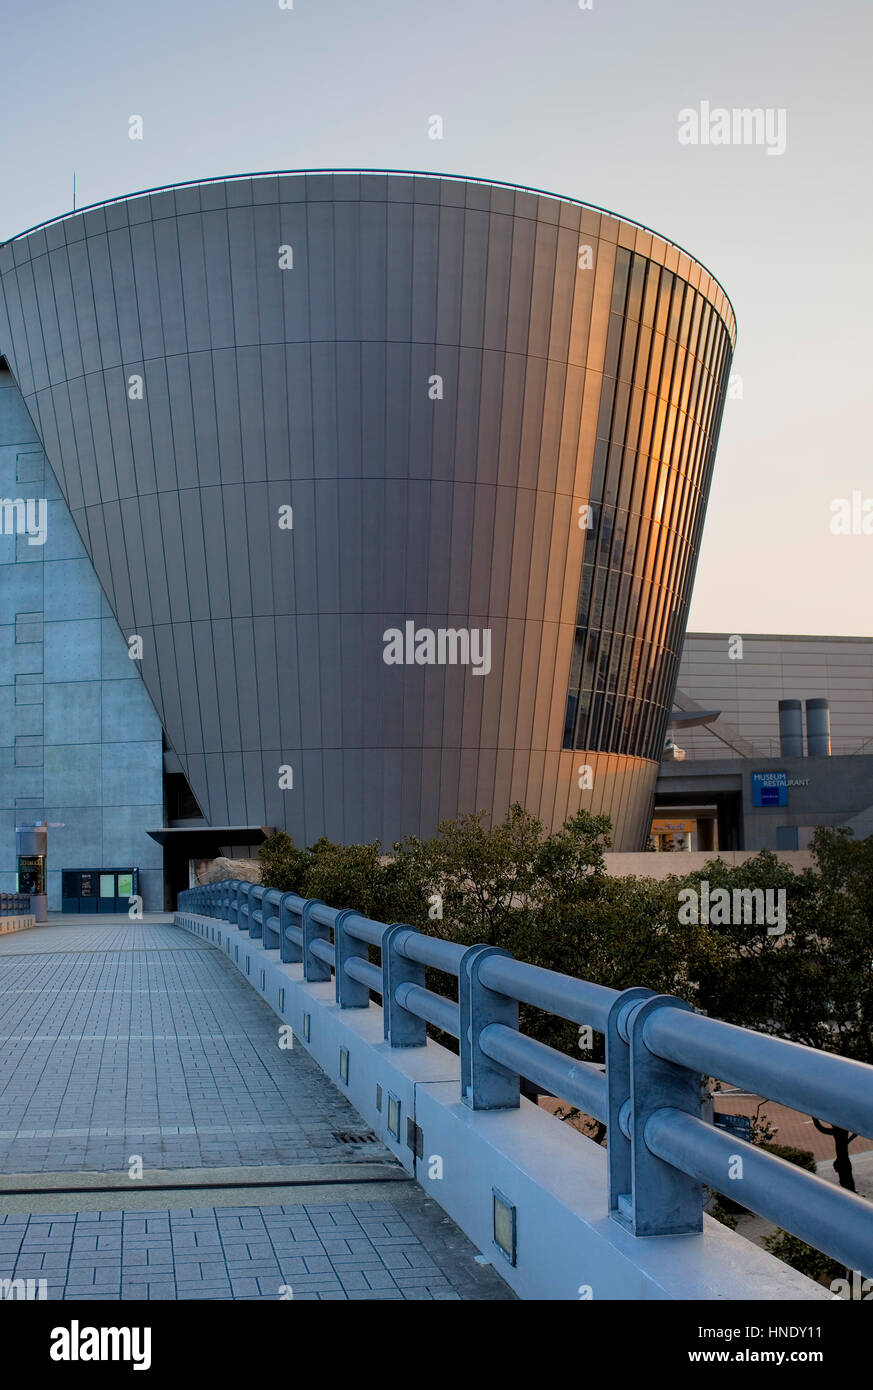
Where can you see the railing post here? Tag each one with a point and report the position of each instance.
(242, 920)
(485, 1084)
(289, 950)
(256, 904)
(664, 1201)
(350, 994)
(267, 906)
(313, 968)
(233, 903)
(402, 1029)
(618, 1088)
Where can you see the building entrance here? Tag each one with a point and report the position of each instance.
(98, 890)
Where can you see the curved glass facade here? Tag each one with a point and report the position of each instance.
(665, 377)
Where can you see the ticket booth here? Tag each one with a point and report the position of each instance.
(98, 890)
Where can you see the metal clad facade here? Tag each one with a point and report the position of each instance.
(310, 386)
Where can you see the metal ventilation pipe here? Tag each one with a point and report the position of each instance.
(790, 729)
(818, 728)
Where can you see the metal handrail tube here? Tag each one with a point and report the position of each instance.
(429, 950)
(824, 1215)
(576, 1000)
(324, 914)
(834, 1088)
(369, 975)
(365, 929)
(295, 934)
(433, 1008)
(579, 1082)
(324, 951)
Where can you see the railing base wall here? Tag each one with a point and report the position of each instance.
(567, 1246)
(23, 923)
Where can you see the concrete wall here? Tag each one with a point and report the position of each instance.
(80, 742)
(826, 791)
(661, 866)
(22, 923)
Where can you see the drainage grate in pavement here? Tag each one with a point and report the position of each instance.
(345, 1136)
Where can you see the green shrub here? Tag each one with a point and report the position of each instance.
(282, 863)
(724, 1213)
(804, 1258)
(804, 1158)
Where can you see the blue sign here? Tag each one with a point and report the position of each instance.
(738, 1125)
(769, 788)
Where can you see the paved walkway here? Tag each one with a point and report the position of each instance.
(126, 1042)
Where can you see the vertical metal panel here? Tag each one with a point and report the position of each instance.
(456, 512)
(251, 412)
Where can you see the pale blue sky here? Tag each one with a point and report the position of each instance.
(580, 102)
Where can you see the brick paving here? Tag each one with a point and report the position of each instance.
(404, 1250)
(119, 1039)
(150, 1043)
(791, 1126)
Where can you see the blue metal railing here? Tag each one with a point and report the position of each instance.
(660, 1149)
(14, 904)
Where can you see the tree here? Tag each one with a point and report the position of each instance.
(813, 984)
(282, 863)
(480, 877)
(827, 995)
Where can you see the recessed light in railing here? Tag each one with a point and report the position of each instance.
(394, 1117)
(281, 1001)
(263, 979)
(504, 1224)
(344, 1065)
(306, 1025)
